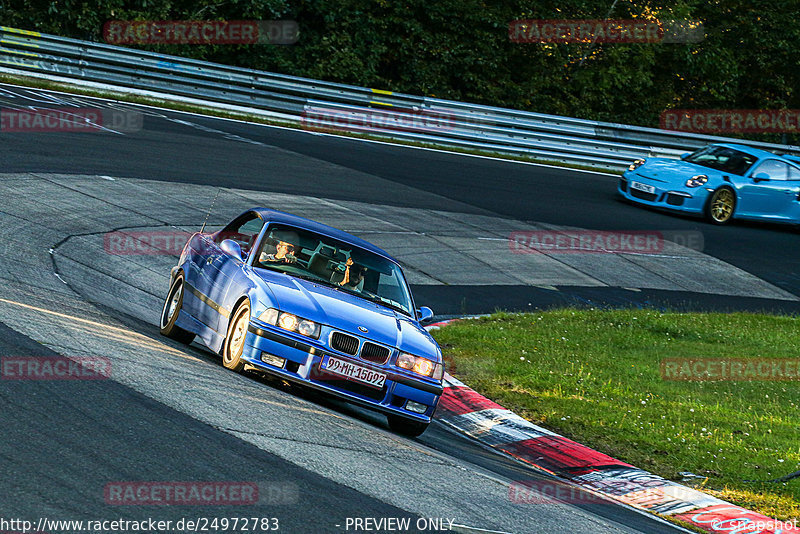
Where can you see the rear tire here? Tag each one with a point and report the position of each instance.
(170, 312)
(721, 206)
(407, 427)
(233, 346)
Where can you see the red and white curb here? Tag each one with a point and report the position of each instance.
(470, 413)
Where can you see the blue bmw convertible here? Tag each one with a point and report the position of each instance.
(287, 296)
(721, 182)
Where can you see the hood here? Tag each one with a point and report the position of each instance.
(345, 311)
(673, 171)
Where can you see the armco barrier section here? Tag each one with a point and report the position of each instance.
(347, 107)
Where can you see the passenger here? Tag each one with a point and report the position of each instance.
(284, 254)
(352, 278)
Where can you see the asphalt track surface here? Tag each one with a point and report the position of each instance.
(65, 441)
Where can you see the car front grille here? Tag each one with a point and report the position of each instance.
(641, 194)
(623, 185)
(374, 353)
(344, 343)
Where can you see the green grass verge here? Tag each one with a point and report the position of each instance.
(176, 105)
(595, 377)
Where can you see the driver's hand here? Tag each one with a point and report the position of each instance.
(290, 258)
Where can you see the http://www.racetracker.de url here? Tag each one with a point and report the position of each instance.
(195, 524)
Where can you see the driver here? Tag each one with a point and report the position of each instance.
(284, 253)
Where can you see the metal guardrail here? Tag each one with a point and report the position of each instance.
(328, 105)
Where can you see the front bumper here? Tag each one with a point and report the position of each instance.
(680, 199)
(302, 365)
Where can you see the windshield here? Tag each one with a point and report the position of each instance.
(334, 263)
(722, 159)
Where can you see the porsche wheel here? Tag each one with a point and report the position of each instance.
(169, 314)
(721, 206)
(407, 427)
(233, 347)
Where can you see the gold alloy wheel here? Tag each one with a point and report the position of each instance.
(722, 204)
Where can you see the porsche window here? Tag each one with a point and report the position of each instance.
(334, 263)
(774, 169)
(723, 159)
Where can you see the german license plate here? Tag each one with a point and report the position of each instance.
(353, 372)
(643, 187)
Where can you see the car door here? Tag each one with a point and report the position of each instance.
(204, 280)
(222, 270)
(198, 281)
(793, 185)
(768, 191)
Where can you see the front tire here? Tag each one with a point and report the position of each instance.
(233, 347)
(407, 427)
(170, 312)
(721, 206)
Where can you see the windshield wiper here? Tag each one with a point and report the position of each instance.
(384, 302)
(316, 280)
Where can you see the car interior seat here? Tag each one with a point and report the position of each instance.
(320, 262)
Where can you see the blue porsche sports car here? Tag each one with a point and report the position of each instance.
(284, 295)
(720, 181)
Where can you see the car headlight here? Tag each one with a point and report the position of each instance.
(290, 322)
(421, 366)
(696, 181)
(636, 164)
(308, 328)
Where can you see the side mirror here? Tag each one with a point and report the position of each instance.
(232, 248)
(761, 177)
(424, 314)
(685, 155)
